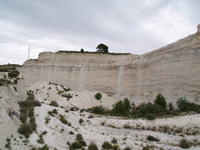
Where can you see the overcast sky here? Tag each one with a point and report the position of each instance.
(125, 26)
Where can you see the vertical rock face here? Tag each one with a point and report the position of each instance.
(172, 70)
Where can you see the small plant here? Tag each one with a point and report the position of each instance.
(25, 129)
(54, 103)
(45, 147)
(152, 138)
(55, 111)
(114, 141)
(150, 116)
(115, 147)
(127, 148)
(106, 145)
(98, 96)
(71, 132)
(184, 144)
(76, 145)
(81, 121)
(63, 120)
(92, 146)
(79, 137)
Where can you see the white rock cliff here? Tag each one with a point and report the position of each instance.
(172, 70)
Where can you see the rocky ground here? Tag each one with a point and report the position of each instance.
(56, 134)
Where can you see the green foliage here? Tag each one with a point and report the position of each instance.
(98, 96)
(106, 145)
(45, 147)
(184, 144)
(68, 96)
(161, 101)
(79, 137)
(82, 50)
(184, 105)
(122, 108)
(4, 82)
(13, 74)
(92, 146)
(145, 148)
(114, 141)
(102, 48)
(115, 147)
(63, 120)
(55, 111)
(152, 138)
(97, 110)
(150, 116)
(81, 121)
(76, 145)
(54, 103)
(25, 129)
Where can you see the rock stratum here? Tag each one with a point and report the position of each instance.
(172, 70)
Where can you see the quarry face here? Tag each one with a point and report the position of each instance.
(172, 70)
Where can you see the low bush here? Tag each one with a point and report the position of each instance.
(79, 137)
(54, 103)
(25, 129)
(150, 116)
(97, 110)
(106, 145)
(114, 141)
(63, 120)
(184, 144)
(98, 96)
(76, 145)
(115, 147)
(152, 138)
(92, 146)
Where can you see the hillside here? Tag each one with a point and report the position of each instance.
(172, 70)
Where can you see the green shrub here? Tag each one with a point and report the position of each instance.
(150, 116)
(13, 73)
(25, 129)
(106, 145)
(92, 146)
(79, 137)
(97, 110)
(184, 144)
(98, 96)
(184, 105)
(122, 108)
(55, 111)
(83, 143)
(114, 141)
(115, 147)
(76, 145)
(63, 120)
(54, 103)
(152, 138)
(161, 101)
(145, 148)
(81, 121)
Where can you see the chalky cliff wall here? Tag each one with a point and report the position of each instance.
(173, 70)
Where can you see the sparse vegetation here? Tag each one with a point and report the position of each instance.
(184, 144)
(152, 138)
(54, 103)
(106, 145)
(92, 146)
(27, 110)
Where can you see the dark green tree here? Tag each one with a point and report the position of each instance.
(102, 48)
(161, 101)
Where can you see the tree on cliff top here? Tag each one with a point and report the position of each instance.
(102, 48)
